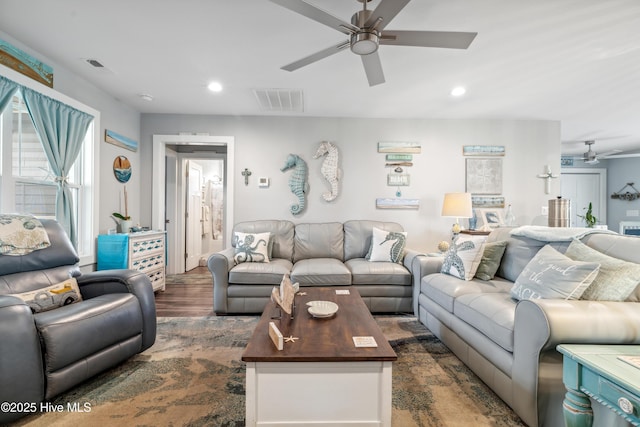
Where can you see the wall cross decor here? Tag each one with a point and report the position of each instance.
(547, 176)
(246, 173)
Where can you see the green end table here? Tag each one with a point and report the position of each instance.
(597, 371)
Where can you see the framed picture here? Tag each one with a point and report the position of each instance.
(491, 217)
(483, 150)
(483, 202)
(484, 176)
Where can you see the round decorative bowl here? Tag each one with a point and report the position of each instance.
(322, 308)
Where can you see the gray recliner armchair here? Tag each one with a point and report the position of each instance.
(43, 354)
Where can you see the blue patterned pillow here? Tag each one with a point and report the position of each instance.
(463, 257)
(387, 245)
(251, 247)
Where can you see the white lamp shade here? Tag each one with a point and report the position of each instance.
(457, 205)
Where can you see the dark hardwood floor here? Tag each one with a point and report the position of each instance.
(192, 299)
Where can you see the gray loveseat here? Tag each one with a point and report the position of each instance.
(314, 254)
(47, 353)
(511, 345)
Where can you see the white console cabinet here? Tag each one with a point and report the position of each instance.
(143, 251)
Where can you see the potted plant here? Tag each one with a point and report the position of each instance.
(588, 217)
(124, 222)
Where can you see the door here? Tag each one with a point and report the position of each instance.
(193, 216)
(584, 186)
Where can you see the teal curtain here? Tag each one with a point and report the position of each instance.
(61, 130)
(7, 89)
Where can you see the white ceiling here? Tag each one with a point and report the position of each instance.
(576, 61)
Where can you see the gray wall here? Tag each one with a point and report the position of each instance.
(619, 173)
(262, 144)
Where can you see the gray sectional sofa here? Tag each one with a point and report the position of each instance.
(314, 254)
(511, 345)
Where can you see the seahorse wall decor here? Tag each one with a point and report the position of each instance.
(297, 180)
(329, 168)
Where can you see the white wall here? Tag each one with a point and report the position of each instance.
(262, 144)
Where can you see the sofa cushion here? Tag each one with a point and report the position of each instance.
(251, 247)
(76, 331)
(260, 272)
(518, 253)
(358, 234)
(364, 272)
(493, 314)
(553, 275)
(281, 235)
(491, 257)
(386, 246)
(463, 257)
(444, 289)
(615, 280)
(320, 271)
(321, 240)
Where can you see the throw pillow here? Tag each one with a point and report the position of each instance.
(53, 296)
(463, 257)
(21, 235)
(551, 274)
(251, 247)
(491, 257)
(387, 245)
(615, 281)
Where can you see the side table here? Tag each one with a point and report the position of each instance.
(597, 371)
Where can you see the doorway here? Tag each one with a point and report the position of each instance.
(583, 186)
(171, 154)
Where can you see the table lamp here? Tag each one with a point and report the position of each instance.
(457, 205)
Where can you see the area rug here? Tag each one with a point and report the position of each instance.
(193, 376)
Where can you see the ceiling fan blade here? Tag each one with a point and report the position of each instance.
(445, 39)
(318, 15)
(386, 11)
(608, 153)
(316, 56)
(621, 156)
(373, 68)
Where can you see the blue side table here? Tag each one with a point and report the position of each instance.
(597, 371)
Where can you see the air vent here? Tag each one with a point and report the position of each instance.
(284, 100)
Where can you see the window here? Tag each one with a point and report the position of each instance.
(27, 182)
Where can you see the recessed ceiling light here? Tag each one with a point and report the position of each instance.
(146, 97)
(458, 91)
(214, 87)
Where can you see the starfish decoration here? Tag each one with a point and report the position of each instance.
(290, 338)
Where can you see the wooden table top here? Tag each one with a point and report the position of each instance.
(320, 340)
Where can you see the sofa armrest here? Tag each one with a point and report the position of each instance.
(577, 322)
(540, 325)
(219, 264)
(21, 370)
(122, 281)
(420, 266)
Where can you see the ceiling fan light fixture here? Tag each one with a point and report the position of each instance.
(364, 42)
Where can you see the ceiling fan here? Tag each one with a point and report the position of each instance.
(366, 33)
(592, 158)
